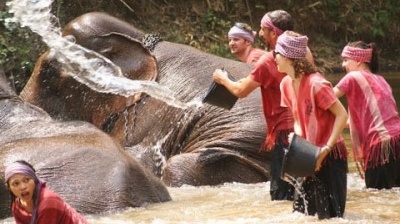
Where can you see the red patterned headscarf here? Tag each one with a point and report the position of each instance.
(294, 47)
(357, 54)
(266, 22)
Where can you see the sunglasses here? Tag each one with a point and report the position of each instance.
(274, 53)
(245, 27)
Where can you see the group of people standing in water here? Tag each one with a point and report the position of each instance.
(297, 99)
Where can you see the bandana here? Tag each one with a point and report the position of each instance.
(19, 168)
(240, 33)
(267, 23)
(291, 46)
(357, 54)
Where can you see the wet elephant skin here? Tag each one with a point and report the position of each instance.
(197, 146)
(81, 163)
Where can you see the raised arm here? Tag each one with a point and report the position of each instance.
(240, 88)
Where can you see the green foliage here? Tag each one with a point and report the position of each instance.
(371, 20)
(212, 22)
(17, 50)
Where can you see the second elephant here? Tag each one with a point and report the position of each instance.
(84, 165)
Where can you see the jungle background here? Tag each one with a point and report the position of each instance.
(204, 24)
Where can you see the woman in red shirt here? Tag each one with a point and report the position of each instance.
(32, 202)
(374, 119)
(320, 118)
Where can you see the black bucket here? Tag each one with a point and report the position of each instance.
(218, 95)
(300, 159)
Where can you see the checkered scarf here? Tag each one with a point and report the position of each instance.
(291, 46)
(240, 33)
(267, 23)
(357, 54)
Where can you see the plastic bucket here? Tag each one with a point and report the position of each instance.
(218, 95)
(300, 159)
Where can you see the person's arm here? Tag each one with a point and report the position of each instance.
(297, 130)
(338, 92)
(341, 117)
(240, 89)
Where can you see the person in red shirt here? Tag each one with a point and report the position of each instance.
(319, 117)
(32, 202)
(241, 39)
(374, 119)
(266, 77)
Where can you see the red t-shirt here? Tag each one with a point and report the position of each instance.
(278, 118)
(52, 210)
(310, 107)
(254, 55)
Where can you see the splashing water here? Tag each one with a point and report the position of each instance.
(85, 66)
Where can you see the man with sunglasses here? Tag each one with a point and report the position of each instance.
(241, 39)
(266, 76)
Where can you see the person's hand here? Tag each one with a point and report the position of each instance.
(219, 75)
(324, 151)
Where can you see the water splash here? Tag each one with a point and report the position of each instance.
(85, 66)
(296, 183)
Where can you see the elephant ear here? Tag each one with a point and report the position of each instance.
(134, 59)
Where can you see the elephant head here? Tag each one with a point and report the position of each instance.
(55, 91)
(85, 166)
(181, 146)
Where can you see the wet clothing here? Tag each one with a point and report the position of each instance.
(325, 192)
(385, 176)
(374, 127)
(279, 121)
(310, 107)
(254, 55)
(51, 209)
(280, 189)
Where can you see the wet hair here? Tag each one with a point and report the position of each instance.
(303, 67)
(281, 19)
(374, 64)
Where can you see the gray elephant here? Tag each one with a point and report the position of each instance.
(195, 146)
(84, 165)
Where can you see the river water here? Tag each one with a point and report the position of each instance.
(250, 203)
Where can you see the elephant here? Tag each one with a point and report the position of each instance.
(197, 146)
(84, 165)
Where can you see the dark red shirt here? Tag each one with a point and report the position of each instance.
(52, 210)
(278, 118)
